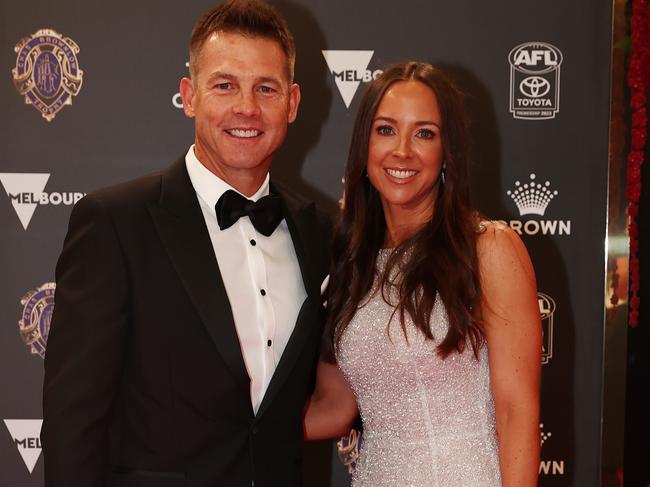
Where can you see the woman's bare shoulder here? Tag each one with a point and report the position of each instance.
(500, 248)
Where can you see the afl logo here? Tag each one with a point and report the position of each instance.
(546, 310)
(47, 71)
(535, 80)
(34, 326)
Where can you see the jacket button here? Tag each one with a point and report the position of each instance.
(255, 430)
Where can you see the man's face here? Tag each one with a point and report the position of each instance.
(242, 102)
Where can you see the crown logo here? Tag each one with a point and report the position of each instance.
(543, 436)
(532, 198)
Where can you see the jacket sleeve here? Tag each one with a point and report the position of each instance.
(85, 349)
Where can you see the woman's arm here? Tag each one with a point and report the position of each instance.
(510, 311)
(332, 407)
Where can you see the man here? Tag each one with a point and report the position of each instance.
(187, 320)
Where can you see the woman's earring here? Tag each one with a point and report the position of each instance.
(442, 175)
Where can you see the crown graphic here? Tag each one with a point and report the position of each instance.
(532, 198)
(543, 436)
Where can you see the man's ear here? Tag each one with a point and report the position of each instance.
(294, 101)
(186, 89)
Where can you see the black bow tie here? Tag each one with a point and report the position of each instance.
(265, 213)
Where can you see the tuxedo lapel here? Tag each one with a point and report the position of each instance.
(304, 244)
(298, 218)
(181, 226)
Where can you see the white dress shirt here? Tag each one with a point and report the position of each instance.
(261, 276)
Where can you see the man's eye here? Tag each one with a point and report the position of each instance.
(266, 89)
(223, 86)
(384, 130)
(426, 134)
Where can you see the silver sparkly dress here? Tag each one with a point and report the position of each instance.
(426, 421)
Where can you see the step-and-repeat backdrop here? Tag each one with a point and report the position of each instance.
(99, 104)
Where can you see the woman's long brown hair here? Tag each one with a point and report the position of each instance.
(439, 259)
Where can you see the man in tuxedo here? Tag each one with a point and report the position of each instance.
(188, 311)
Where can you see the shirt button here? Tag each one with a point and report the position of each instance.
(269, 343)
(253, 242)
(262, 292)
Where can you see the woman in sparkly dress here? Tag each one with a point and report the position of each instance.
(434, 329)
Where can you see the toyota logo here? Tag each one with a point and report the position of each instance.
(534, 86)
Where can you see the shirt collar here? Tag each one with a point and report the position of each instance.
(209, 187)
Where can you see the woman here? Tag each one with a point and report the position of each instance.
(433, 314)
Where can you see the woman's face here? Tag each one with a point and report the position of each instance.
(405, 151)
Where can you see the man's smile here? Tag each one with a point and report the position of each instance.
(244, 133)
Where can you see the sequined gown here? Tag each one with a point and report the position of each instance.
(427, 421)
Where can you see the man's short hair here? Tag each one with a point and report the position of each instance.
(254, 18)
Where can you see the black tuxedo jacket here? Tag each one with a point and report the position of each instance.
(145, 382)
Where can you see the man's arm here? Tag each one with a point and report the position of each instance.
(84, 357)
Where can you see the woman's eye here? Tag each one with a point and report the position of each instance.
(384, 130)
(426, 134)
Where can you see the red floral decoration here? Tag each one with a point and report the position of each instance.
(638, 80)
